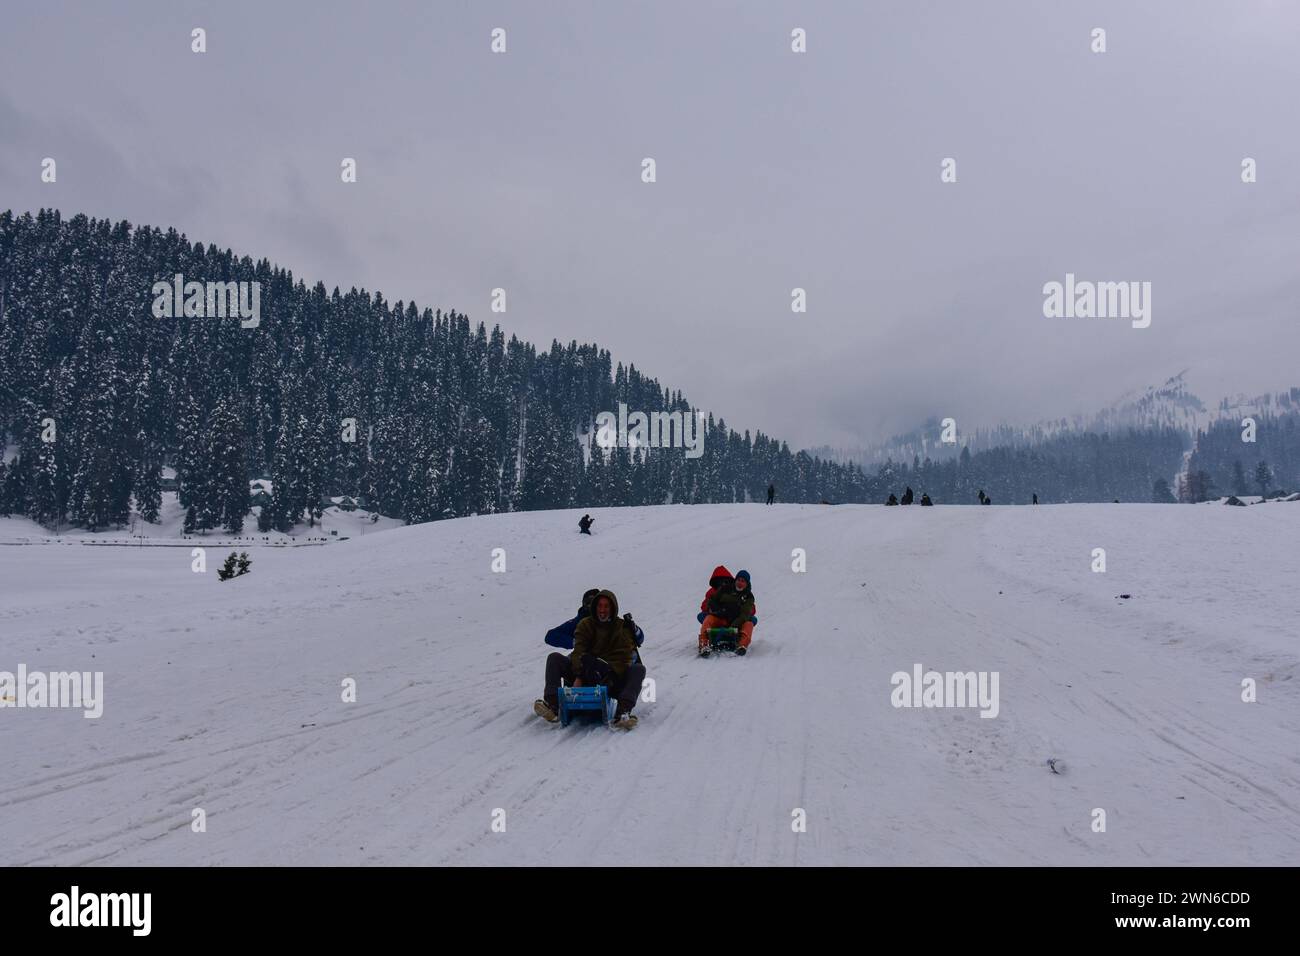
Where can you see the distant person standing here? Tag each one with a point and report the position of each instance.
(584, 524)
(908, 497)
(771, 493)
(1035, 497)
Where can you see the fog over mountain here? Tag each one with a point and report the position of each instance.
(1170, 404)
(775, 170)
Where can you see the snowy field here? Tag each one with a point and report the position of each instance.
(227, 696)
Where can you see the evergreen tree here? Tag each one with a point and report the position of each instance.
(228, 466)
(1239, 479)
(148, 490)
(1263, 477)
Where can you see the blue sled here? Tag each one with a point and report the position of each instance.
(585, 703)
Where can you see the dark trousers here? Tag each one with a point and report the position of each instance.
(594, 671)
(584, 531)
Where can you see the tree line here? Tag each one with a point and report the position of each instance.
(417, 412)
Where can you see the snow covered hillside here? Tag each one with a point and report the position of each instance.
(168, 530)
(227, 696)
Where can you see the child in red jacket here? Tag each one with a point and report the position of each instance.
(720, 574)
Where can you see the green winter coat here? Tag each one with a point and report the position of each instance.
(613, 641)
(734, 607)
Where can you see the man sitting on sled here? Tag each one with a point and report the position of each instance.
(604, 652)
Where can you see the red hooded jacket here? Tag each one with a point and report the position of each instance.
(719, 575)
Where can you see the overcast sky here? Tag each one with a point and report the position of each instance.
(775, 170)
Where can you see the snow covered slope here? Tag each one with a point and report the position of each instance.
(168, 530)
(226, 696)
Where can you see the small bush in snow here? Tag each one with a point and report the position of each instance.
(235, 566)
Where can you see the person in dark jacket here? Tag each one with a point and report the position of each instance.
(893, 499)
(926, 502)
(982, 496)
(728, 606)
(908, 497)
(1035, 497)
(604, 652)
(771, 493)
(745, 586)
(584, 524)
(562, 634)
(720, 574)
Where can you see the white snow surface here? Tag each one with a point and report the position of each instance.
(168, 530)
(226, 696)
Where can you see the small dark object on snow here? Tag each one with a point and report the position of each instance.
(926, 502)
(234, 566)
(1125, 596)
(893, 499)
(1055, 765)
(1234, 500)
(584, 524)
(908, 497)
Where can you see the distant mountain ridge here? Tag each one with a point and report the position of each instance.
(1171, 404)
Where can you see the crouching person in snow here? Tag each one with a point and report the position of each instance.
(604, 652)
(729, 603)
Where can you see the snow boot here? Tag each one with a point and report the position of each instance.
(740, 650)
(545, 711)
(623, 719)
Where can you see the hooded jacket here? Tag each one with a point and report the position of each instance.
(562, 634)
(613, 641)
(718, 577)
(724, 601)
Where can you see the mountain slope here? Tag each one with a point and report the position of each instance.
(226, 696)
